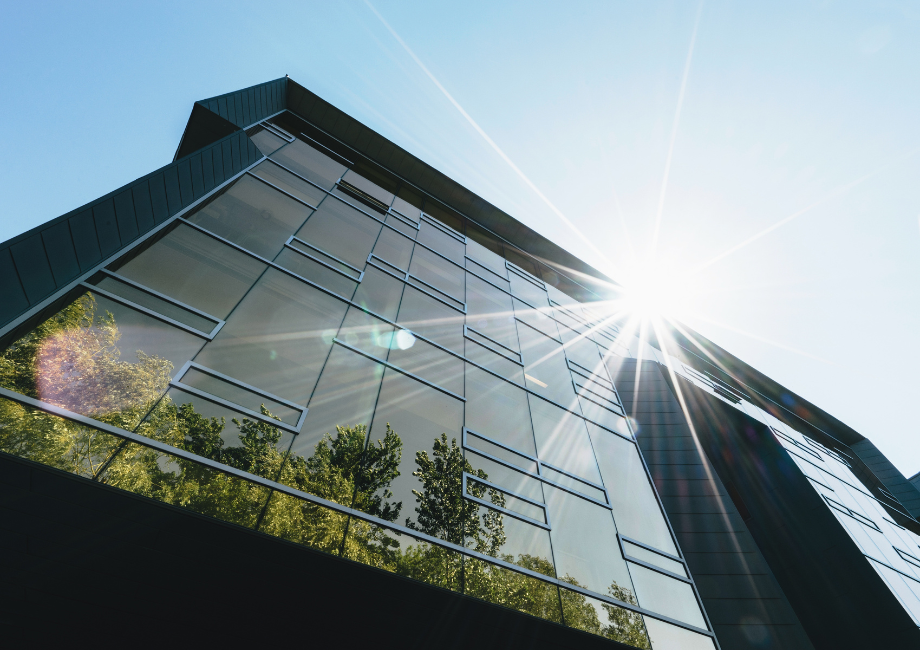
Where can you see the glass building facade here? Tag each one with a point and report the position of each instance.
(319, 350)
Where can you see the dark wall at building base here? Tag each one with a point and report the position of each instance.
(87, 564)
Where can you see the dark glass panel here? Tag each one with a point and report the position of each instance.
(278, 338)
(403, 554)
(567, 481)
(428, 424)
(493, 520)
(394, 248)
(476, 442)
(520, 260)
(545, 368)
(341, 230)
(156, 304)
(483, 352)
(432, 319)
(438, 272)
(435, 237)
(507, 538)
(655, 559)
(368, 186)
(426, 361)
(528, 291)
(635, 507)
(486, 249)
(217, 432)
(562, 440)
(265, 140)
(401, 225)
(585, 545)
(511, 589)
(238, 395)
(489, 401)
(380, 292)
(489, 311)
(280, 177)
(315, 272)
(303, 159)
(195, 269)
(665, 636)
(597, 617)
(98, 358)
(447, 217)
(406, 203)
(257, 217)
(664, 595)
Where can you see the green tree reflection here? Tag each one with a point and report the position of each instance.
(72, 360)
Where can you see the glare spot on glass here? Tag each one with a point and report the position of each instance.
(328, 335)
(404, 339)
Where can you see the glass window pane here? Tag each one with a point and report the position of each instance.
(520, 259)
(312, 270)
(660, 561)
(444, 216)
(280, 177)
(164, 307)
(303, 159)
(363, 331)
(664, 595)
(394, 249)
(99, 358)
(508, 588)
(435, 237)
(597, 617)
(537, 319)
(238, 395)
(257, 217)
(402, 225)
(478, 443)
(426, 361)
(486, 257)
(380, 293)
(428, 423)
(300, 521)
(504, 477)
(266, 141)
(405, 203)
(368, 187)
(326, 454)
(438, 272)
(489, 400)
(195, 269)
(508, 538)
(432, 319)
(342, 231)
(665, 636)
(217, 432)
(482, 352)
(562, 440)
(544, 367)
(635, 507)
(585, 545)
(528, 291)
(278, 338)
(584, 352)
(489, 311)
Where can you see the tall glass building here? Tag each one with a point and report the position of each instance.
(391, 403)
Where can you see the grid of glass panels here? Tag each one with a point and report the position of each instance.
(319, 354)
(892, 550)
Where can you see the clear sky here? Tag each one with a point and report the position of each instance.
(717, 123)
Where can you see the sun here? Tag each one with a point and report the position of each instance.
(657, 289)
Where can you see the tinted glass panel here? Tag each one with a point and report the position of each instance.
(278, 338)
(486, 258)
(665, 636)
(394, 248)
(426, 361)
(310, 163)
(242, 396)
(528, 291)
(280, 177)
(341, 230)
(432, 319)
(635, 507)
(438, 272)
(195, 269)
(545, 369)
(597, 617)
(654, 558)
(158, 305)
(368, 187)
(489, 311)
(379, 292)
(562, 440)
(448, 245)
(266, 142)
(405, 208)
(489, 400)
(310, 269)
(663, 595)
(257, 217)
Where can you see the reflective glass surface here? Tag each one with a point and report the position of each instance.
(341, 230)
(310, 163)
(155, 303)
(266, 141)
(291, 183)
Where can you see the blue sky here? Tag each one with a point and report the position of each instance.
(798, 118)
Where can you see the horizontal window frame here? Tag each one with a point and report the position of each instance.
(511, 513)
(534, 280)
(276, 130)
(447, 230)
(251, 174)
(293, 238)
(391, 211)
(519, 360)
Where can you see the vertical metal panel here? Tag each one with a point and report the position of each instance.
(222, 108)
(158, 197)
(207, 170)
(124, 215)
(184, 172)
(34, 270)
(143, 210)
(173, 196)
(226, 158)
(61, 255)
(194, 163)
(236, 164)
(106, 227)
(217, 158)
(13, 299)
(85, 240)
(214, 106)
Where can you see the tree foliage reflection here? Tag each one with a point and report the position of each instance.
(72, 360)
